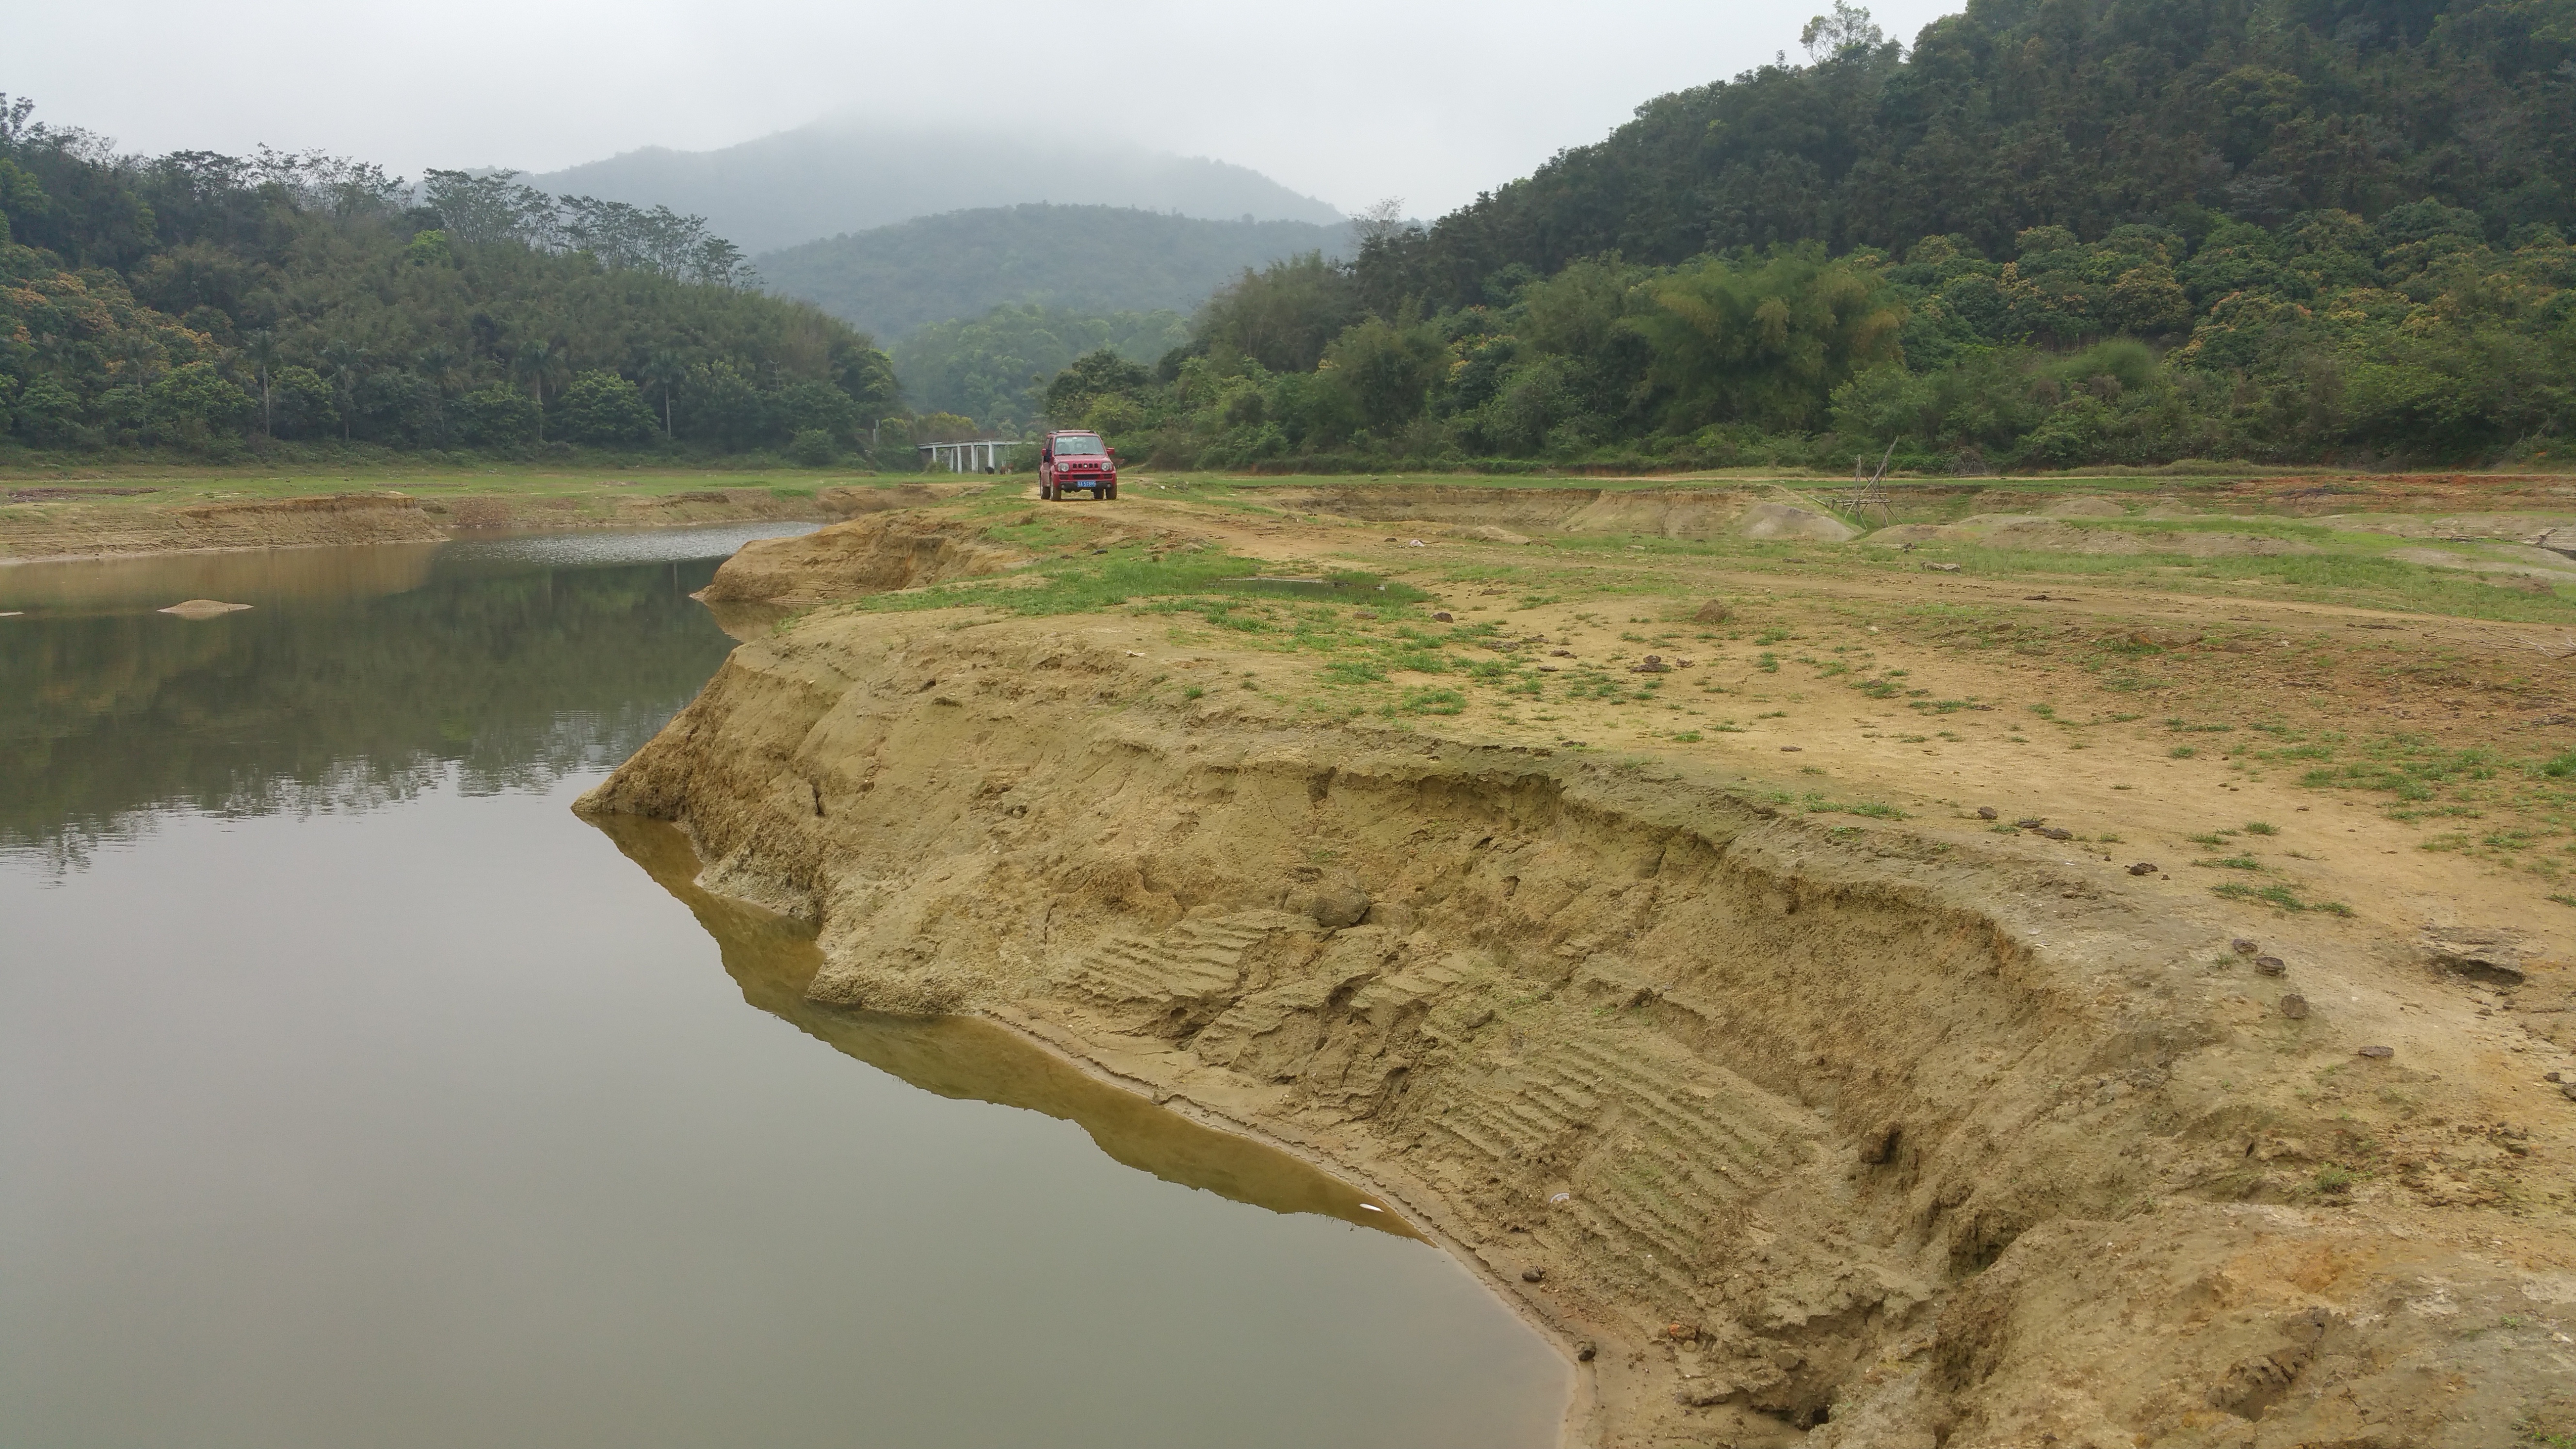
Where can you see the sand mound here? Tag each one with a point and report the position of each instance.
(850, 501)
(2085, 508)
(1788, 521)
(873, 554)
(2041, 533)
(1684, 513)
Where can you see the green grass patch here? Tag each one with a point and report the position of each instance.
(2276, 895)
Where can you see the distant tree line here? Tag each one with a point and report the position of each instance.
(2054, 232)
(215, 303)
(995, 367)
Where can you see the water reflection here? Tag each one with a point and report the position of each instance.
(247, 576)
(773, 958)
(359, 677)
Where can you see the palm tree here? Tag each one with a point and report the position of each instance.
(138, 352)
(261, 350)
(346, 363)
(666, 370)
(537, 364)
(436, 365)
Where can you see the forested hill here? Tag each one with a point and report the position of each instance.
(1096, 260)
(2082, 114)
(829, 178)
(2054, 232)
(213, 303)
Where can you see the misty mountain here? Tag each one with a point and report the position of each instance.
(1094, 260)
(833, 177)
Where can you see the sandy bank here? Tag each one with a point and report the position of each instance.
(1881, 1135)
(55, 529)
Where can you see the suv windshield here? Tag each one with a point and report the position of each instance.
(1079, 445)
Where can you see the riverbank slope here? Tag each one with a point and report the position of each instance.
(1803, 1100)
(121, 517)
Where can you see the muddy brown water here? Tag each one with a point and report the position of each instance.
(353, 1091)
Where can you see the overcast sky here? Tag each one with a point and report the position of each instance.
(1347, 100)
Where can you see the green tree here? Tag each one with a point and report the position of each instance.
(1282, 316)
(497, 416)
(665, 370)
(195, 401)
(605, 410)
(536, 363)
(345, 364)
(1387, 368)
(263, 352)
(1097, 373)
(1763, 341)
(301, 402)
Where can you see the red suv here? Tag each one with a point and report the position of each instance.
(1075, 461)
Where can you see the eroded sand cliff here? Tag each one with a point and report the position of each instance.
(1845, 1136)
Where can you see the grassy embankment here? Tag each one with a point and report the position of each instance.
(2421, 689)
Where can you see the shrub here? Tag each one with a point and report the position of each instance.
(814, 448)
(604, 410)
(489, 417)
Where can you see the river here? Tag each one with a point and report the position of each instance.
(355, 1092)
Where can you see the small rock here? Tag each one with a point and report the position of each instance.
(1339, 906)
(1586, 1351)
(2144, 867)
(1942, 568)
(2271, 965)
(1701, 1396)
(1711, 612)
(2568, 1090)
(1987, 812)
(1444, 617)
(2033, 823)
(1560, 654)
(1682, 1332)
(2491, 955)
(1533, 1275)
(2550, 1076)
(2378, 1053)
(2295, 1007)
(2243, 947)
(1791, 749)
(1654, 665)
(2053, 833)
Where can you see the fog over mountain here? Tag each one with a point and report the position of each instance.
(1090, 259)
(838, 176)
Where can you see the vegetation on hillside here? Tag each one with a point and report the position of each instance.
(1093, 260)
(995, 367)
(2053, 232)
(212, 303)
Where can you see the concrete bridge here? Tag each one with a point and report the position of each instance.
(984, 455)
